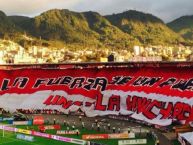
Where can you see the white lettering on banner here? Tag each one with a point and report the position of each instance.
(67, 132)
(133, 141)
(152, 108)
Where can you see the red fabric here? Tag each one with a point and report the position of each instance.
(108, 73)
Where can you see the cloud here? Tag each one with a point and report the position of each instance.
(33, 7)
(165, 9)
(171, 9)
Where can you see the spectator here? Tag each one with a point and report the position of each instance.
(104, 127)
(54, 121)
(96, 121)
(119, 130)
(92, 126)
(113, 129)
(109, 126)
(157, 142)
(80, 118)
(98, 127)
(47, 121)
(111, 57)
(129, 129)
(73, 127)
(83, 125)
(77, 132)
(64, 122)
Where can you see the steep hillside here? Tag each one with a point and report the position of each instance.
(6, 25)
(147, 28)
(109, 34)
(90, 29)
(87, 28)
(183, 26)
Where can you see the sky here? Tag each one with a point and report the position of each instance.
(167, 10)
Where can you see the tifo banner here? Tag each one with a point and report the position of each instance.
(38, 120)
(154, 95)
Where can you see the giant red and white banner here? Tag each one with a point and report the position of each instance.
(155, 95)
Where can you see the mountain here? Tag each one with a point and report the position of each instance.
(109, 34)
(62, 25)
(147, 28)
(183, 26)
(6, 25)
(90, 29)
(21, 22)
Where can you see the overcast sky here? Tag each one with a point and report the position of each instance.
(164, 9)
